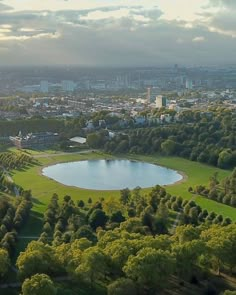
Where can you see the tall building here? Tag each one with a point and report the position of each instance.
(152, 93)
(189, 84)
(68, 86)
(44, 86)
(161, 101)
(149, 94)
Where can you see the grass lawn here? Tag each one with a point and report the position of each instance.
(43, 187)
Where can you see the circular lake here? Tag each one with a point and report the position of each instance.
(111, 174)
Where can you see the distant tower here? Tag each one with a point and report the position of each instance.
(189, 84)
(149, 94)
(44, 86)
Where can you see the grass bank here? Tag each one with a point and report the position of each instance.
(43, 187)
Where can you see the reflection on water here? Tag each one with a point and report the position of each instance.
(111, 174)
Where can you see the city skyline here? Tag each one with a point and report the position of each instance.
(117, 33)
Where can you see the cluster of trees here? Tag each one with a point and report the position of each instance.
(13, 215)
(207, 138)
(189, 211)
(11, 160)
(9, 128)
(151, 215)
(126, 262)
(224, 192)
(63, 223)
(127, 245)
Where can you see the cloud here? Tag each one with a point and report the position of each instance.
(223, 3)
(4, 7)
(113, 36)
(198, 39)
(219, 17)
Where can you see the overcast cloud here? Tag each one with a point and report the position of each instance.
(123, 33)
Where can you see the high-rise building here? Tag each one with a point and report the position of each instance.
(68, 86)
(44, 86)
(149, 94)
(161, 101)
(189, 84)
(152, 93)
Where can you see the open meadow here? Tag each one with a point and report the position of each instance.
(42, 187)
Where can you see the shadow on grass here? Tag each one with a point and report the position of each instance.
(37, 202)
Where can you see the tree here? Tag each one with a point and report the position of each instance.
(150, 267)
(38, 258)
(122, 287)
(125, 195)
(4, 262)
(94, 264)
(97, 218)
(187, 256)
(119, 251)
(222, 246)
(117, 217)
(95, 140)
(162, 211)
(81, 204)
(39, 284)
(111, 205)
(186, 233)
(85, 231)
(169, 147)
(225, 159)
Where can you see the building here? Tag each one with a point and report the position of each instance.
(189, 84)
(79, 140)
(161, 101)
(149, 94)
(34, 140)
(152, 93)
(68, 86)
(44, 86)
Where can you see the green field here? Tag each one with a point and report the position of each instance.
(43, 187)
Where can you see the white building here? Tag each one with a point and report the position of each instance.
(161, 101)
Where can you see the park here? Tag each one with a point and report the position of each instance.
(42, 187)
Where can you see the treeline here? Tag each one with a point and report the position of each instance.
(208, 139)
(224, 192)
(145, 214)
(13, 215)
(10, 128)
(11, 160)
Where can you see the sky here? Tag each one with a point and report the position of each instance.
(117, 32)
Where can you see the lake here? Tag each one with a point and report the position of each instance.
(111, 174)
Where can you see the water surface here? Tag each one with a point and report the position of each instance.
(111, 174)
